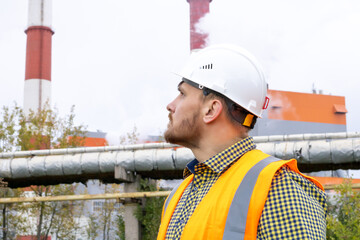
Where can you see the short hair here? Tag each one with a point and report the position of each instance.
(235, 112)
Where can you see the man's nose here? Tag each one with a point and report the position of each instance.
(171, 106)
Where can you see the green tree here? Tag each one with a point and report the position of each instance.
(8, 128)
(343, 218)
(92, 227)
(149, 214)
(104, 216)
(130, 137)
(120, 228)
(46, 129)
(56, 218)
(42, 129)
(11, 220)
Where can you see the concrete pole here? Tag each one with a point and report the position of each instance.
(132, 225)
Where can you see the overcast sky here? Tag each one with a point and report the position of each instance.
(113, 59)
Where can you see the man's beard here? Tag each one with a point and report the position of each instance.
(187, 134)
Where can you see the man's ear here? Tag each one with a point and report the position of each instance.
(213, 109)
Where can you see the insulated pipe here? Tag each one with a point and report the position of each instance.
(37, 87)
(165, 163)
(257, 139)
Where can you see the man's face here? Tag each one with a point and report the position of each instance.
(184, 125)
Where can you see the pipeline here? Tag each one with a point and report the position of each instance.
(118, 196)
(314, 152)
(257, 139)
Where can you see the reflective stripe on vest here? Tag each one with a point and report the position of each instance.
(170, 197)
(236, 219)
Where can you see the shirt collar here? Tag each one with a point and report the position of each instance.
(224, 159)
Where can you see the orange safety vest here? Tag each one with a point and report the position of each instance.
(232, 208)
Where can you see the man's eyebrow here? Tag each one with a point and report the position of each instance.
(179, 85)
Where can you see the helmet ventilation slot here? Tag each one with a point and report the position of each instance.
(208, 66)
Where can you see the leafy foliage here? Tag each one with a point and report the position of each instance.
(11, 220)
(57, 218)
(104, 220)
(149, 215)
(38, 130)
(43, 129)
(343, 219)
(130, 137)
(120, 232)
(8, 128)
(92, 227)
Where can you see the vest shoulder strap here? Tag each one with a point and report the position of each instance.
(170, 205)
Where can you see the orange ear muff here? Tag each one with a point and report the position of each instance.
(248, 120)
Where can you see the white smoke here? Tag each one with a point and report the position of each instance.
(300, 43)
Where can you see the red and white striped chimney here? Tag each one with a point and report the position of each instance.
(37, 89)
(198, 9)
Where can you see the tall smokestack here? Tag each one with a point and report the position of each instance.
(37, 89)
(198, 9)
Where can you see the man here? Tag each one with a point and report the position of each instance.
(232, 190)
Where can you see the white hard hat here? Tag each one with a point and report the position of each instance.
(232, 72)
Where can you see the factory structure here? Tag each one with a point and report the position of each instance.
(297, 113)
(288, 112)
(37, 87)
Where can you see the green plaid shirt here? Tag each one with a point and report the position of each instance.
(291, 203)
